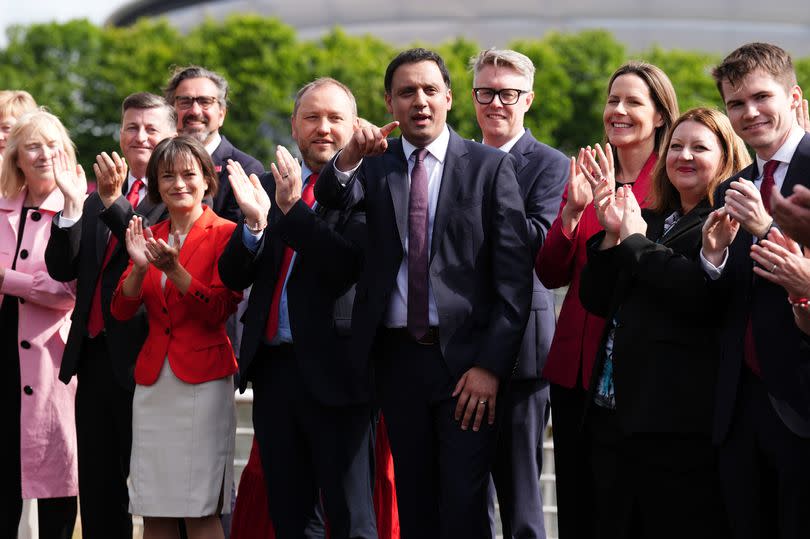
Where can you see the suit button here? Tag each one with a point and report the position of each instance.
(28, 390)
(24, 254)
(166, 331)
(36, 216)
(164, 310)
(25, 345)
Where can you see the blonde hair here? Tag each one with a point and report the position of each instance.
(15, 103)
(37, 123)
(508, 58)
(663, 196)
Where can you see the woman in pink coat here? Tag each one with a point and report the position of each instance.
(40, 434)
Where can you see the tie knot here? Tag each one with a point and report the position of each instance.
(136, 186)
(420, 154)
(770, 167)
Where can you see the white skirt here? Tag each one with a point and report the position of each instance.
(183, 438)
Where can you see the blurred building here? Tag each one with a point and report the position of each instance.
(714, 26)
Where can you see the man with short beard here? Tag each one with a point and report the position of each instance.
(200, 98)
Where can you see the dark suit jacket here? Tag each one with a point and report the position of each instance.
(225, 203)
(782, 350)
(664, 346)
(78, 253)
(542, 173)
(329, 247)
(187, 328)
(480, 264)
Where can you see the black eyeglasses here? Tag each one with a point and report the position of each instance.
(187, 101)
(508, 96)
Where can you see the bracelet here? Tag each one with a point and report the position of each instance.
(801, 303)
(255, 229)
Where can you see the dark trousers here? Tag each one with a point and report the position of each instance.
(442, 472)
(519, 460)
(104, 437)
(764, 469)
(306, 447)
(574, 482)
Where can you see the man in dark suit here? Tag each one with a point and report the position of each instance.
(200, 98)
(762, 414)
(87, 244)
(502, 94)
(311, 409)
(444, 295)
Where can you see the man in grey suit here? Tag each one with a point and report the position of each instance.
(502, 94)
(444, 294)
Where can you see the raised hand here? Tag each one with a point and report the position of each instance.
(719, 231)
(367, 140)
(781, 261)
(803, 115)
(287, 173)
(632, 221)
(71, 181)
(250, 196)
(580, 193)
(744, 204)
(609, 206)
(599, 165)
(792, 213)
(111, 173)
(135, 239)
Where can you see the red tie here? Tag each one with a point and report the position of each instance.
(95, 321)
(765, 188)
(308, 196)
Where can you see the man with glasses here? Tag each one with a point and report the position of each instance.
(200, 98)
(502, 94)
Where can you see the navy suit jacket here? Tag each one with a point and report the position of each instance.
(782, 350)
(78, 253)
(225, 203)
(480, 263)
(329, 247)
(542, 173)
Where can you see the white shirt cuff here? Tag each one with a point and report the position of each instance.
(64, 222)
(714, 272)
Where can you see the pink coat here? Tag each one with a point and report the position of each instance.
(47, 419)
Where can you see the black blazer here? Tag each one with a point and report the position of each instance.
(78, 253)
(480, 265)
(782, 350)
(329, 247)
(665, 352)
(225, 203)
(542, 173)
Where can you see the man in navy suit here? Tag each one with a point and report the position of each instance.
(762, 413)
(200, 98)
(444, 295)
(87, 244)
(311, 408)
(502, 94)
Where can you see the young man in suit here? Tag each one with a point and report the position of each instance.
(762, 414)
(87, 244)
(443, 298)
(200, 98)
(311, 408)
(502, 94)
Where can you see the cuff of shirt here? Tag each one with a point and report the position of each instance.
(252, 240)
(714, 272)
(344, 177)
(64, 222)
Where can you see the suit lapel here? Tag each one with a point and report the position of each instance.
(520, 151)
(798, 168)
(688, 222)
(398, 185)
(455, 163)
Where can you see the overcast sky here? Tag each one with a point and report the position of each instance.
(59, 10)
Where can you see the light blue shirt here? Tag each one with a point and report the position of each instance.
(252, 241)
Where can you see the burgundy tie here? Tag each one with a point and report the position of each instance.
(765, 188)
(418, 248)
(95, 320)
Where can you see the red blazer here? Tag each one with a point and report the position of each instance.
(188, 328)
(560, 263)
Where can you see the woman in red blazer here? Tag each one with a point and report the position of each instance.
(641, 106)
(183, 415)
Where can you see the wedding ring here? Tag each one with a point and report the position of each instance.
(773, 269)
(482, 402)
(284, 175)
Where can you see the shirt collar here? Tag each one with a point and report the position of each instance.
(511, 143)
(437, 148)
(212, 146)
(785, 153)
(131, 179)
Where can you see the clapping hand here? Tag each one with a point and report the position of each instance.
(781, 261)
(367, 140)
(792, 213)
(719, 231)
(136, 237)
(632, 221)
(111, 173)
(250, 196)
(744, 204)
(287, 173)
(580, 193)
(71, 181)
(162, 255)
(803, 115)
(599, 166)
